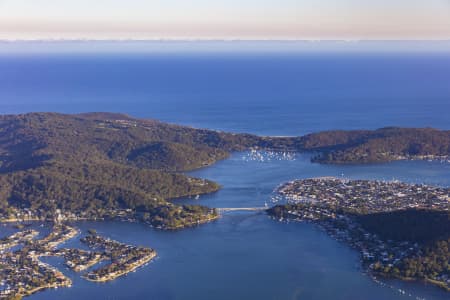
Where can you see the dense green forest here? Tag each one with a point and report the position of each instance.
(94, 163)
(379, 145)
(434, 260)
(430, 229)
(416, 225)
(91, 163)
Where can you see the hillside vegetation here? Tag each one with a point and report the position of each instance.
(381, 145)
(90, 164)
(430, 229)
(416, 225)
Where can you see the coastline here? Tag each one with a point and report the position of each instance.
(116, 218)
(380, 219)
(131, 268)
(373, 274)
(436, 283)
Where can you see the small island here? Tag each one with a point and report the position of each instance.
(401, 230)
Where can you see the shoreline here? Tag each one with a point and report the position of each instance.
(436, 283)
(373, 274)
(46, 287)
(131, 268)
(66, 283)
(428, 158)
(119, 219)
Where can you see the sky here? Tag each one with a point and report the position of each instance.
(225, 19)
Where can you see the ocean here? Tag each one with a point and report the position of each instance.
(244, 255)
(284, 94)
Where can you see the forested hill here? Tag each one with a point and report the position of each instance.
(29, 140)
(385, 144)
(92, 164)
(96, 162)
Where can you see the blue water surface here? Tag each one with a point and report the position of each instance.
(273, 94)
(244, 255)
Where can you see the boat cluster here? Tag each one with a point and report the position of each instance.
(268, 155)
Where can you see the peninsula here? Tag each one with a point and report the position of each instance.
(401, 230)
(124, 258)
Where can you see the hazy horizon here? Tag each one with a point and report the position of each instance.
(221, 46)
(248, 20)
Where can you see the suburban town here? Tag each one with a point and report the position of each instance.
(124, 258)
(24, 274)
(368, 196)
(345, 209)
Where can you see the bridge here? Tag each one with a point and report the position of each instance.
(228, 209)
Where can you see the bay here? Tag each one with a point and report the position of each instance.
(244, 255)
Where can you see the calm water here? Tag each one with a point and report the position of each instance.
(282, 94)
(244, 255)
